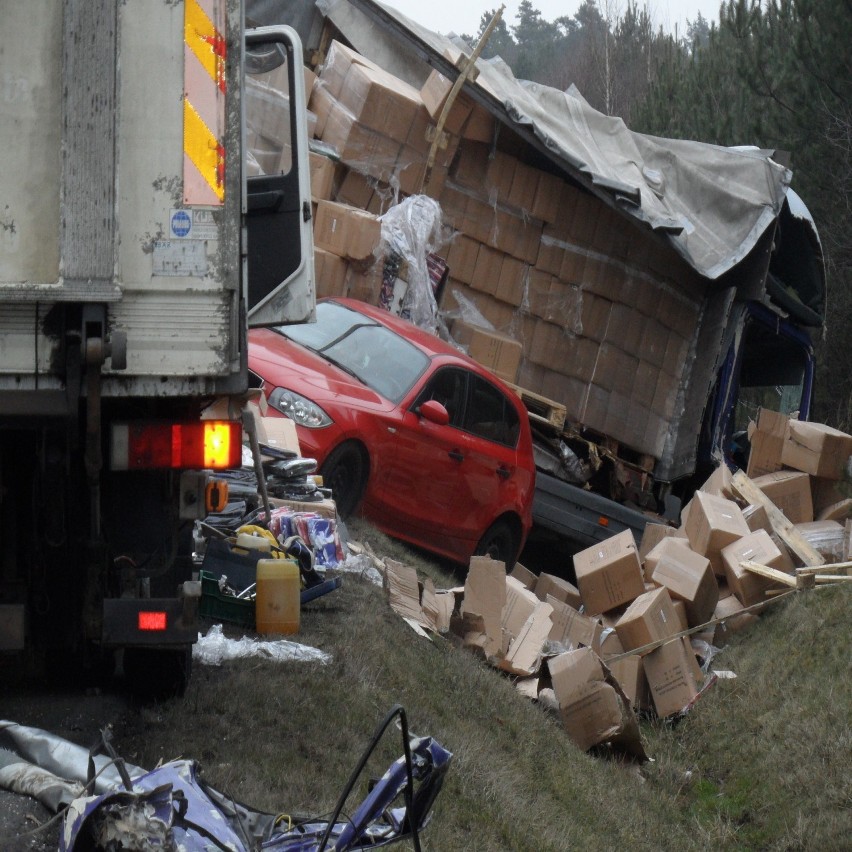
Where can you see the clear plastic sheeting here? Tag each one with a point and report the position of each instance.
(412, 229)
(363, 566)
(216, 648)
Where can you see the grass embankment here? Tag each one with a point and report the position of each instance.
(762, 762)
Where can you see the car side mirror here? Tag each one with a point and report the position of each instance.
(434, 412)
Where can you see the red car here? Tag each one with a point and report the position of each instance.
(431, 446)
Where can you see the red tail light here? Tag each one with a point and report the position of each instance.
(209, 444)
(152, 621)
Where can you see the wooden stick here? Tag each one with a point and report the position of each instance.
(825, 579)
(770, 573)
(820, 569)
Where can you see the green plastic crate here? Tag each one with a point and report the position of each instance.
(224, 607)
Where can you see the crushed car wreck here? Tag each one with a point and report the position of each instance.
(110, 804)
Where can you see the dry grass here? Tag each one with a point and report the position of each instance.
(762, 762)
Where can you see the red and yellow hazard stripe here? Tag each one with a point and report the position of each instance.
(204, 103)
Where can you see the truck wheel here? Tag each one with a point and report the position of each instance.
(345, 472)
(500, 542)
(157, 674)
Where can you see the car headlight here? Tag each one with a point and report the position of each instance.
(300, 409)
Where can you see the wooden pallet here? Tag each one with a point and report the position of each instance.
(542, 409)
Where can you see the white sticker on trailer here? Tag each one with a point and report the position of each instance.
(180, 258)
(192, 224)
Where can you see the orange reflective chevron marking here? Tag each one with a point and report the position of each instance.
(204, 104)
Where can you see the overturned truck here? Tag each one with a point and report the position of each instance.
(646, 296)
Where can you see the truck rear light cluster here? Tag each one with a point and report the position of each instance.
(207, 444)
(152, 621)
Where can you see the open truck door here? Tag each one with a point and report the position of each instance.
(280, 259)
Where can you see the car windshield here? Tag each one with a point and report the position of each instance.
(377, 356)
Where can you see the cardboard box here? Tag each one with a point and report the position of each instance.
(688, 577)
(735, 620)
(548, 192)
(680, 612)
(652, 536)
(526, 623)
(461, 258)
(592, 706)
(630, 674)
(336, 66)
(499, 352)
(480, 125)
(790, 491)
(671, 676)
(767, 441)
(712, 523)
(434, 96)
(650, 618)
(323, 174)
(571, 628)
(562, 590)
(523, 575)
(816, 449)
(346, 231)
(485, 597)
(757, 518)
(379, 100)
(330, 273)
(359, 146)
(609, 573)
(512, 283)
(827, 492)
(750, 588)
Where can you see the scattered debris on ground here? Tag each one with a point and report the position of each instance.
(639, 631)
(106, 803)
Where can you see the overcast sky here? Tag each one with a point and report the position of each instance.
(463, 16)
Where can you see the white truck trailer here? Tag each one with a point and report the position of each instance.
(131, 239)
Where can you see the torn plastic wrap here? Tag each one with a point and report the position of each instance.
(411, 230)
(173, 808)
(214, 648)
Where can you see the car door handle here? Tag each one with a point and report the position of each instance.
(455, 455)
(504, 472)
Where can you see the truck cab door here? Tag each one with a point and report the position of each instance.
(280, 257)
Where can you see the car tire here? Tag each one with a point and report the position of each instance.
(345, 472)
(500, 542)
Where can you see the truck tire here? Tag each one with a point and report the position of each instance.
(500, 542)
(345, 472)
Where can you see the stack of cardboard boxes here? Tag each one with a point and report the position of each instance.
(602, 316)
(618, 642)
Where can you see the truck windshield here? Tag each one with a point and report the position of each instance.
(774, 373)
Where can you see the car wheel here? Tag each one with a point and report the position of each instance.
(345, 472)
(500, 542)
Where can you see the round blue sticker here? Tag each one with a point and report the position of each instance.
(181, 223)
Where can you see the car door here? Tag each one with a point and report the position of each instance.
(445, 483)
(420, 476)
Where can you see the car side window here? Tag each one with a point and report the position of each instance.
(447, 386)
(490, 414)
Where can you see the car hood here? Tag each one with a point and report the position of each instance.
(289, 365)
